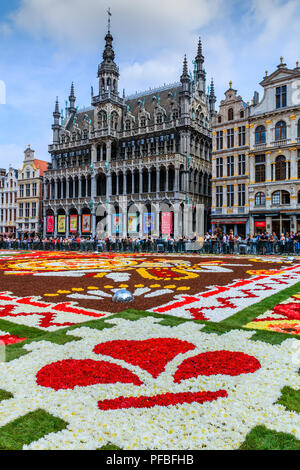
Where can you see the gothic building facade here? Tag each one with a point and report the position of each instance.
(132, 165)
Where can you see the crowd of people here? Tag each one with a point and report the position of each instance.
(215, 243)
(262, 243)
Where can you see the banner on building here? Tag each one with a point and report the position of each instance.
(260, 224)
(61, 224)
(86, 223)
(132, 223)
(148, 222)
(166, 223)
(50, 223)
(73, 223)
(116, 223)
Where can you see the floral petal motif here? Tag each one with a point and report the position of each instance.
(216, 362)
(165, 399)
(70, 373)
(151, 355)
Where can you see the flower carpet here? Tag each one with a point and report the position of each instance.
(206, 357)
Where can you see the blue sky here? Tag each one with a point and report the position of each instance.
(47, 44)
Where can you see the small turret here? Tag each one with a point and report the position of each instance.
(56, 125)
(212, 98)
(200, 74)
(185, 89)
(185, 78)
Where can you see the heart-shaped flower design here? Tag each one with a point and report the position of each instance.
(151, 355)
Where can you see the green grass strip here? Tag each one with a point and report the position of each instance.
(22, 331)
(60, 336)
(4, 395)
(261, 438)
(290, 399)
(245, 316)
(29, 428)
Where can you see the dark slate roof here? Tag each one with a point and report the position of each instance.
(165, 97)
(163, 94)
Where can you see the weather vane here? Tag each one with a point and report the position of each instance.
(109, 15)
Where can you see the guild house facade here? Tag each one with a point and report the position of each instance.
(274, 158)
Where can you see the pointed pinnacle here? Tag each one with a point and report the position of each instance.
(56, 110)
(185, 66)
(199, 52)
(72, 90)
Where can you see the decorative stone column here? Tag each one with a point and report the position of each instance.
(124, 183)
(55, 225)
(176, 220)
(157, 181)
(79, 187)
(67, 225)
(93, 223)
(108, 185)
(167, 180)
(93, 186)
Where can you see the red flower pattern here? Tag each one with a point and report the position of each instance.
(165, 399)
(151, 355)
(216, 362)
(10, 339)
(83, 372)
(290, 310)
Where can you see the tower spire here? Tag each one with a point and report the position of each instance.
(72, 99)
(56, 110)
(185, 74)
(108, 20)
(200, 73)
(108, 72)
(212, 97)
(56, 125)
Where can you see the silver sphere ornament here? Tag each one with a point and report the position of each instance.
(290, 258)
(123, 296)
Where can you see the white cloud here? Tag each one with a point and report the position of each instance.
(156, 24)
(11, 155)
(278, 27)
